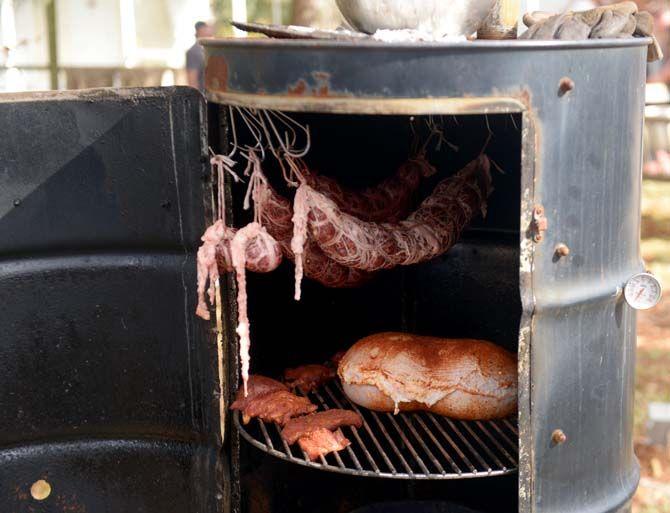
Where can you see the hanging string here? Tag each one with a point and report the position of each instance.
(436, 129)
(486, 144)
(257, 184)
(222, 164)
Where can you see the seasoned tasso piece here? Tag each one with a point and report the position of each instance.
(257, 386)
(329, 419)
(308, 377)
(323, 441)
(278, 407)
(428, 232)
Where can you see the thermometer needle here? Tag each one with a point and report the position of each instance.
(637, 296)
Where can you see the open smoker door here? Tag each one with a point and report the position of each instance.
(109, 387)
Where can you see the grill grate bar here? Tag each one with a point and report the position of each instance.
(370, 432)
(322, 458)
(354, 430)
(287, 449)
(478, 456)
(408, 444)
(511, 427)
(453, 445)
(496, 442)
(408, 422)
(351, 453)
(392, 443)
(430, 435)
(421, 444)
(504, 436)
(484, 446)
(268, 440)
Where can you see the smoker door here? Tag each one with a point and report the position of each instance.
(108, 385)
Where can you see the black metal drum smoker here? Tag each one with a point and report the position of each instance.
(116, 396)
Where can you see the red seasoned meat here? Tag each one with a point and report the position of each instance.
(279, 407)
(337, 357)
(257, 386)
(323, 441)
(368, 246)
(308, 377)
(387, 201)
(276, 214)
(328, 419)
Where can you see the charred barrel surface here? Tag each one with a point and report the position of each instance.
(107, 384)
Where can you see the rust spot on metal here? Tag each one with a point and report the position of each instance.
(558, 437)
(524, 97)
(540, 223)
(323, 84)
(68, 503)
(319, 89)
(216, 73)
(20, 493)
(298, 89)
(562, 250)
(565, 85)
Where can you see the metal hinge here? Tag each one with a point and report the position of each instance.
(539, 224)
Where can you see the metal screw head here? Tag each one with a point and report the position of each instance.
(17, 202)
(562, 250)
(565, 85)
(558, 437)
(40, 490)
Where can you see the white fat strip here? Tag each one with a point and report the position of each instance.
(238, 248)
(300, 209)
(206, 264)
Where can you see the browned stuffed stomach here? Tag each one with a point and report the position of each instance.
(464, 379)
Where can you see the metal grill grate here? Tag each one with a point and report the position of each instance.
(415, 445)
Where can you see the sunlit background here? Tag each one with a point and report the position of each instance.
(74, 44)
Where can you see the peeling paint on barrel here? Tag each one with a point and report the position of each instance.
(319, 88)
(216, 73)
(298, 89)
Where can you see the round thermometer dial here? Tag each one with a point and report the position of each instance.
(643, 291)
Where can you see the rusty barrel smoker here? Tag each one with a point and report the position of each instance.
(111, 390)
(581, 106)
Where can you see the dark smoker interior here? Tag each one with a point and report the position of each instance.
(472, 291)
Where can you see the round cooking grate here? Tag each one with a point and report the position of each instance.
(416, 445)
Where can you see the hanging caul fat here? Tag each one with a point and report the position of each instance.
(388, 201)
(276, 215)
(429, 231)
(254, 241)
(214, 257)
